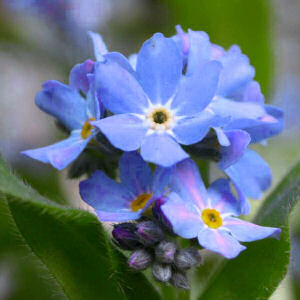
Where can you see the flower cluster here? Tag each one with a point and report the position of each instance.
(177, 99)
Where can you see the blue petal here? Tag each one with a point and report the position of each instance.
(191, 130)
(249, 232)
(99, 45)
(119, 90)
(197, 90)
(124, 131)
(135, 173)
(187, 182)
(251, 174)
(252, 93)
(78, 76)
(221, 197)
(61, 154)
(183, 216)
(161, 179)
(162, 149)
(236, 73)
(159, 68)
(244, 203)
(121, 60)
(62, 102)
(117, 216)
(94, 104)
(239, 140)
(220, 242)
(222, 138)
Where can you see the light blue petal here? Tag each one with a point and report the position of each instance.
(221, 197)
(222, 138)
(117, 216)
(159, 68)
(244, 203)
(61, 154)
(63, 103)
(161, 179)
(105, 194)
(236, 73)
(133, 60)
(220, 242)
(162, 149)
(135, 173)
(187, 182)
(252, 93)
(183, 216)
(78, 76)
(197, 90)
(118, 89)
(239, 140)
(94, 104)
(249, 232)
(99, 46)
(124, 131)
(251, 174)
(121, 60)
(191, 130)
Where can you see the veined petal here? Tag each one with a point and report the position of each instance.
(78, 75)
(193, 129)
(94, 104)
(124, 131)
(221, 197)
(183, 216)
(62, 102)
(239, 140)
(135, 173)
(161, 179)
(99, 46)
(249, 232)
(220, 242)
(118, 89)
(159, 68)
(61, 154)
(162, 149)
(197, 90)
(187, 182)
(251, 174)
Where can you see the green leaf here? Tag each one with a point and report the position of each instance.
(71, 245)
(258, 270)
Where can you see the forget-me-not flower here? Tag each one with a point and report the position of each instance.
(127, 200)
(209, 215)
(161, 104)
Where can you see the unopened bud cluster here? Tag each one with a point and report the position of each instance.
(150, 248)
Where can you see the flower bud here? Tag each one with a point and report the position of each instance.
(180, 280)
(165, 252)
(162, 272)
(125, 236)
(149, 233)
(140, 260)
(159, 215)
(187, 258)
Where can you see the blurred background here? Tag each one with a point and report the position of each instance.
(43, 39)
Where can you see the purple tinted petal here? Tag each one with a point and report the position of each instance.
(187, 182)
(61, 154)
(239, 140)
(191, 130)
(197, 90)
(161, 179)
(124, 131)
(135, 173)
(221, 197)
(94, 104)
(62, 102)
(220, 242)
(118, 89)
(249, 232)
(159, 68)
(183, 216)
(162, 149)
(99, 45)
(251, 174)
(253, 93)
(236, 73)
(105, 194)
(78, 76)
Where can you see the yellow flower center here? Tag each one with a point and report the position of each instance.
(212, 218)
(160, 116)
(140, 202)
(87, 128)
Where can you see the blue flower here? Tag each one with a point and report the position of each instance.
(65, 103)
(209, 215)
(160, 105)
(127, 200)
